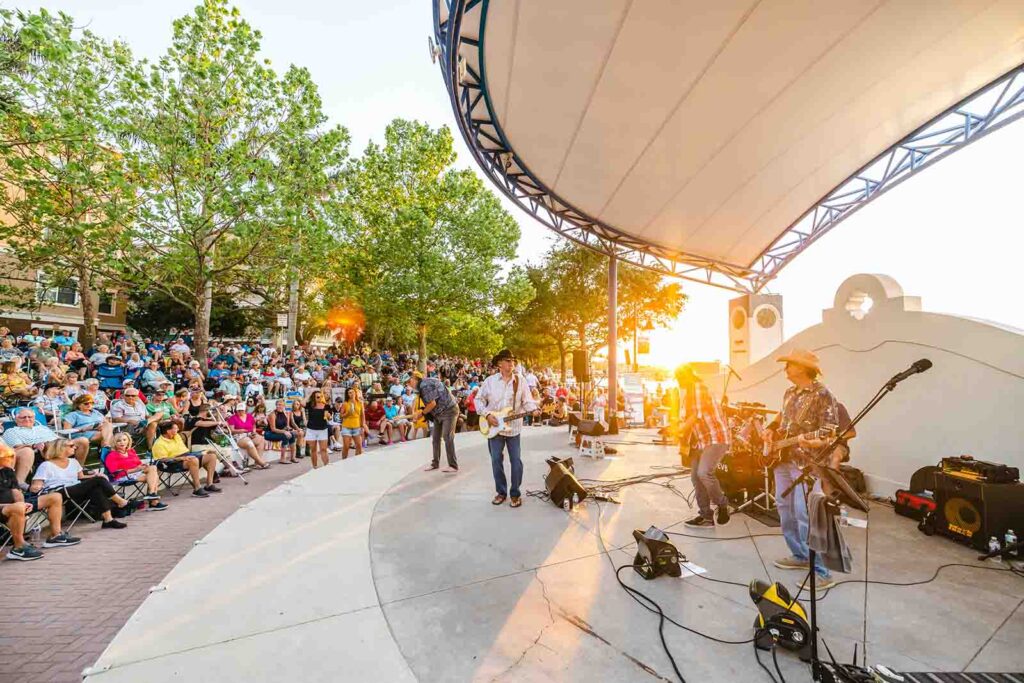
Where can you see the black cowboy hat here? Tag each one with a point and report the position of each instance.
(504, 354)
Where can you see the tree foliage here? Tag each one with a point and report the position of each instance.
(429, 239)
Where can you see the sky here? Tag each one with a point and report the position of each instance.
(952, 235)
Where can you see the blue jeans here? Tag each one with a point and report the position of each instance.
(497, 446)
(705, 483)
(793, 515)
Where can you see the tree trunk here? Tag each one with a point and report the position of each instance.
(85, 291)
(422, 331)
(204, 303)
(561, 357)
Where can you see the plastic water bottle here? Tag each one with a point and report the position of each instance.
(994, 547)
(844, 516)
(1009, 538)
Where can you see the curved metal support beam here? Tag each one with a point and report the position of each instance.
(459, 27)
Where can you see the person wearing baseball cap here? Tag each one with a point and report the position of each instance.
(704, 423)
(807, 407)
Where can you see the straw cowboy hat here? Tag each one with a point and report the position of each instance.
(801, 357)
(686, 373)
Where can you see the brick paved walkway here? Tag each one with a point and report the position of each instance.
(60, 612)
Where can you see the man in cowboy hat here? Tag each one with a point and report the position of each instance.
(505, 389)
(807, 406)
(702, 419)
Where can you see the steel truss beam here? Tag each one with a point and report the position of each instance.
(458, 34)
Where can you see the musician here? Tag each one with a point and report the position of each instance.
(440, 407)
(505, 389)
(807, 406)
(702, 420)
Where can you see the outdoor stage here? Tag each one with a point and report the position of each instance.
(372, 569)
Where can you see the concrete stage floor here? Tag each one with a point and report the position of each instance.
(373, 570)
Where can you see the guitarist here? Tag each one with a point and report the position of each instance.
(807, 406)
(505, 389)
(439, 407)
(702, 420)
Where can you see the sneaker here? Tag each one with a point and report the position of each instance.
(822, 583)
(791, 563)
(699, 521)
(213, 488)
(61, 540)
(25, 553)
(151, 496)
(722, 515)
(157, 506)
(114, 524)
(200, 493)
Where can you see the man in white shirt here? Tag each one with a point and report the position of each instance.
(27, 437)
(505, 389)
(130, 410)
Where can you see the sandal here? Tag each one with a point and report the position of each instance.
(430, 468)
(498, 500)
(264, 466)
(516, 502)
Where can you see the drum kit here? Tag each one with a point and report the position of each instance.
(744, 471)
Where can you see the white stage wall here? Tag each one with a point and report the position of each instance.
(969, 402)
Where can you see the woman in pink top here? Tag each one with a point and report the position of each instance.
(243, 427)
(124, 464)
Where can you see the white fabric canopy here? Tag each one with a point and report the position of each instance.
(710, 127)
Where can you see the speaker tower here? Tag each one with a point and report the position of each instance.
(755, 328)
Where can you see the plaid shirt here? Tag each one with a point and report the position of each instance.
(710, 427)
(805, 411)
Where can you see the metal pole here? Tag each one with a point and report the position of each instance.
(613, 375)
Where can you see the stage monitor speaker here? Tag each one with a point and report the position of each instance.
(561, 483)
(973, 511)
(580, 366)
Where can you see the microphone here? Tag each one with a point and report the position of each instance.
(918, 366)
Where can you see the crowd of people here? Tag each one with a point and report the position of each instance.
(86, 426)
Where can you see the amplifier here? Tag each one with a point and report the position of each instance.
(972, 511)
(967, 467)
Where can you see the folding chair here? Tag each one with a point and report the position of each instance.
(130, 489)
(172, 474)
(73, 511)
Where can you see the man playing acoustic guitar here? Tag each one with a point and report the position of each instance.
(807, 407)
(505, 391)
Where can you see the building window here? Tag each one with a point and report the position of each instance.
(64, 293)
(106, 306)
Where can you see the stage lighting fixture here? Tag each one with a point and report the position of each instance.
(655, 554)
(561, 483)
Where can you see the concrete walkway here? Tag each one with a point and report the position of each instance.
(374, 570)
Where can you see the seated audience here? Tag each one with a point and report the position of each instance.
(171, 454)
(124, 464)
(15, 509)
(62, 473)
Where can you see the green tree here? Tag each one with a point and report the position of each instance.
(204, 131)
(429, 239)
(66, 186)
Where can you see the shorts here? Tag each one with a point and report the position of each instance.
(286, 439)
(351, 431)
(134, 476)
(316, 434)
(6, 496)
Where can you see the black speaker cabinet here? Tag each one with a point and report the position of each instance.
(971, 511)
(562, 484)
(580, 366)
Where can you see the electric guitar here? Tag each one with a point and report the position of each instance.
(772, 453)
(504, 416)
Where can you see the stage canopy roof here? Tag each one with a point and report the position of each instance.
(717, 139)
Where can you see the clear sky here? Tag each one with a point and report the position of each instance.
(953, 235)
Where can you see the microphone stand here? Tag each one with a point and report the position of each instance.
(807, 480)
